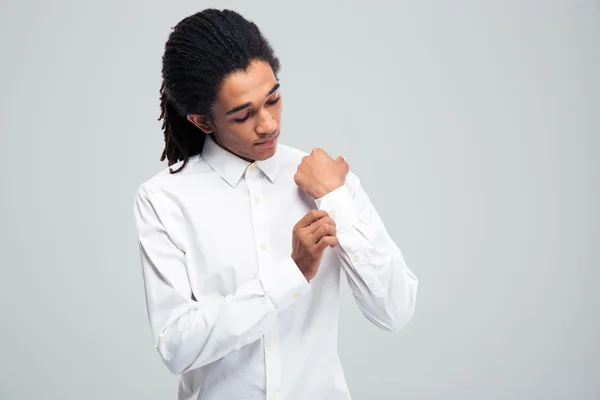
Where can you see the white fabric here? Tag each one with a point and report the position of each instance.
(229, 309)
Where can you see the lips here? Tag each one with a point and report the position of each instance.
(269, 141)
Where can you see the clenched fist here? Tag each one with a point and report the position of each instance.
(319, 174)
(310, 237)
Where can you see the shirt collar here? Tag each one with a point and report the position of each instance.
(231, 167)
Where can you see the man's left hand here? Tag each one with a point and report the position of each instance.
(319, 174)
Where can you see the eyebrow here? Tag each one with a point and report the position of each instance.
(246, 105)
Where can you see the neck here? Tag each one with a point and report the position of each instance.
(215, 138)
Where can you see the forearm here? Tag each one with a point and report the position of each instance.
(383, 285)
(190, 334)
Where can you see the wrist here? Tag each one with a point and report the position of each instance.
(306, 276)
(328, 188)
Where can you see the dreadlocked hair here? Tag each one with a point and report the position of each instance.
(201, 51)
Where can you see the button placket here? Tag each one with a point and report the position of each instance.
(272, 362)
(255, 181)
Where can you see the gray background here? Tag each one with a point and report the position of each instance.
(474, 126)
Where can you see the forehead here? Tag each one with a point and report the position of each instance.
(250, 85)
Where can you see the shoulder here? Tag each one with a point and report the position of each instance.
(164, 180)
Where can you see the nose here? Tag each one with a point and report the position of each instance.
(266, 123)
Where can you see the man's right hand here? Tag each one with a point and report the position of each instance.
(310, 237)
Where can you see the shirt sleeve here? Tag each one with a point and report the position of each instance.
(383, 286)
(191, 332)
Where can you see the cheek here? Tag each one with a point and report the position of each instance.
(236, 134)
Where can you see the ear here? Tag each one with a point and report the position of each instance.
(202, 122)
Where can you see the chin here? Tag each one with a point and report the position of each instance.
(265, 154)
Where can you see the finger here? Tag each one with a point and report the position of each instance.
(310, 217)
(324, 230)
(320, 222)
(316, 151)
(326, 154)
(327, 241)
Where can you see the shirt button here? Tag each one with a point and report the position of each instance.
(272, 347)
(252, 168)
(296, 296)
(263, 246)
(273, 397)
(332, 215)
(355, 258)
(257, 200)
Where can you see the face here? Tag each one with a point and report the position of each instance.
(246, 116)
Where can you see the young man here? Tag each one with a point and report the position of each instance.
(243, 239)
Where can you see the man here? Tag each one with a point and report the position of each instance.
(243, 239)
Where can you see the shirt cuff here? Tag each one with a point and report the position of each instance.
(341, 208)
(284, 283)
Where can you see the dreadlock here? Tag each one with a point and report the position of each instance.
(201, 51)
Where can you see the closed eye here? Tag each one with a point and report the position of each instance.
(240, 120)
(270, 103)
(274, 101)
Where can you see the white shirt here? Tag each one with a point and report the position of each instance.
(229, 309)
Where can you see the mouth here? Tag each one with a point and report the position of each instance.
(268, 143)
